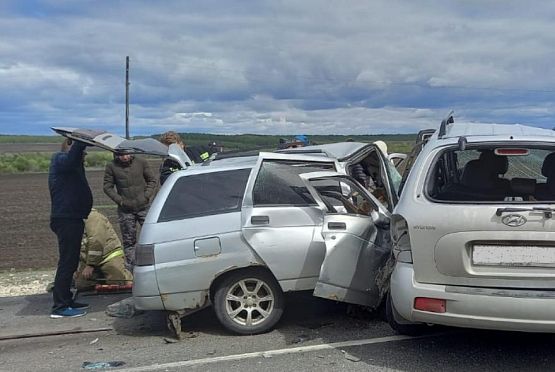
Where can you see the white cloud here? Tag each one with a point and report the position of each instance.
(276, 67)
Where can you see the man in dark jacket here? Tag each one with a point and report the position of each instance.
(71, 202)
(130, 183)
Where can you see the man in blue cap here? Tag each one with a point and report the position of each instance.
(302, 138)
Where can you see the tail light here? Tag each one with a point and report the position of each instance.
(432, 305)
(401, 239)
(144, 255)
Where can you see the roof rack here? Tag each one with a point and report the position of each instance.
(443, 127)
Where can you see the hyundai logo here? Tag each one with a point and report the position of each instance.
(514, 220)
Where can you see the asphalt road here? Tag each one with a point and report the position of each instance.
(314, 335)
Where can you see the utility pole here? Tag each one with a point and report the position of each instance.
(127, 97)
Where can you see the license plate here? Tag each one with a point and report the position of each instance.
(514, 255)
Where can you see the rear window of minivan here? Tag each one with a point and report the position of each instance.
(493, 173)
(205, 194)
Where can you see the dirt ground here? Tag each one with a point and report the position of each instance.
(26, 241)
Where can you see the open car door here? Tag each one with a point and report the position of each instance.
(113, 143)
(357, 240)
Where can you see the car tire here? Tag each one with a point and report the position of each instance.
(248, 302)
(403, 328)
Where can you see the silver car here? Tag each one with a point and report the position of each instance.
(239, 232)
(473, 232)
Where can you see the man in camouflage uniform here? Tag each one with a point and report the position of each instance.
(102, 255)
(130, 183)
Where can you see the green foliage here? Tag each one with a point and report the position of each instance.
(39, 162)
(98, 159)
(29, 139)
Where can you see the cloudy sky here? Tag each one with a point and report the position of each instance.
(275, 67)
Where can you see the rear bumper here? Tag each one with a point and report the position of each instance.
(147, 295)
(528, 311)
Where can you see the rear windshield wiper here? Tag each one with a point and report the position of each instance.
(547, 212)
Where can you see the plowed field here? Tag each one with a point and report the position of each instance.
(26, 240)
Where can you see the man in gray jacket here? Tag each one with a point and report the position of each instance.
(131, 184)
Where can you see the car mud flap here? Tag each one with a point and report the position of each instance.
(173, 322)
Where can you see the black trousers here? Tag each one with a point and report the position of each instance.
(69, 232)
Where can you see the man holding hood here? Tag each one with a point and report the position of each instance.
(71, 202)
(130, 183)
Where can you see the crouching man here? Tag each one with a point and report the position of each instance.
(102, 258)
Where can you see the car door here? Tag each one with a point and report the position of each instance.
(282, 222)
(114, 143)
(356, 236)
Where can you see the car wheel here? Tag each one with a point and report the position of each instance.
(248, 302)
(400, 325)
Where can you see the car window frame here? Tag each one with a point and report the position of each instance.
(477, 145)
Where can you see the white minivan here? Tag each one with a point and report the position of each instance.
(473, 232)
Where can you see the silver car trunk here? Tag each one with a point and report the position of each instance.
(503, 237)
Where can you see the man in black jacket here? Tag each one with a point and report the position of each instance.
(71, 202)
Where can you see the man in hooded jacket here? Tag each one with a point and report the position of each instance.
(131, 184)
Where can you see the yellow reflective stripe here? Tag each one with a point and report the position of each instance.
(204, 155)
(116, 253)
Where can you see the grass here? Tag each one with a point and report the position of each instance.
(39, 162)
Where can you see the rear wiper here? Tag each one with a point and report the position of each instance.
(547, 212)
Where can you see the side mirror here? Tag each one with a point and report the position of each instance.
(379, 219)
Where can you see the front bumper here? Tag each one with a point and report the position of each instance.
(511, 310)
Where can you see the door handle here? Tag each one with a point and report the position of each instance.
(260, 220)
(337, 226)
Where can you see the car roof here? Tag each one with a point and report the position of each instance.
(339, 150)
(242, 162)
(236, 162)
(473, 132)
